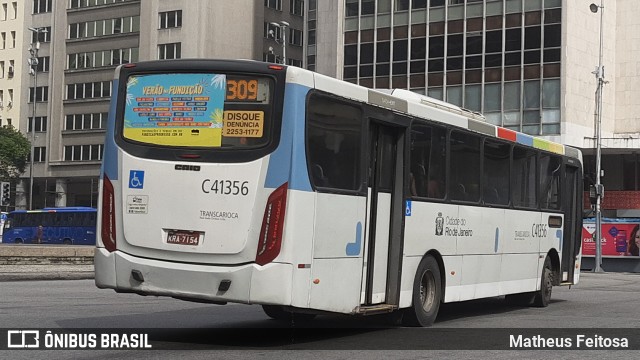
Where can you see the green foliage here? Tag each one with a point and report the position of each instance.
(14, 152)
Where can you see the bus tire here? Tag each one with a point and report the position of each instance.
(19, 241)
(66, 242)
(277, 312)
(427, 293)
(543, 296)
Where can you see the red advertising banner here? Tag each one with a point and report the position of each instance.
(618, 239)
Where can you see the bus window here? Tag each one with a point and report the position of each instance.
(495, 180)
(550, 169)
(465, 166)
(333, 143)
(428, 159)
(523, 191)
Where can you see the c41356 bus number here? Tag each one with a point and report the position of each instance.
(225, 187)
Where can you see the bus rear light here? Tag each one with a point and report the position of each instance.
(276, 67)
(270, 240)
(108, 230)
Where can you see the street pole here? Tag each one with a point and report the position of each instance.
(33, 63)
(598, 120)
(283, 31)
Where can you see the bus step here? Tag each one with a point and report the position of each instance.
(376, 309)
(565, 283)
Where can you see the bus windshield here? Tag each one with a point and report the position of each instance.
(202, 110)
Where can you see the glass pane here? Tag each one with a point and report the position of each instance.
(492, 97)
(550, 116)
(435, 93)
(551, 94)
(472, 97)
(465, 166)
(531, 94)
(512, 96)
(511, 118)
(454, 95)
(496, 173)
(494, 118)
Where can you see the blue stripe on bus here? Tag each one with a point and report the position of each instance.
(110, 152)
(524, 139)
(290, 156)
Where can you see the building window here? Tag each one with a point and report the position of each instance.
(296, 7)
(97, 59)
(76, 4)
(3, 15)
(273, 4)
(83, 152)
(13, 40)
(41, 124)
(93, 90)
(169, 51)
(105, 27)
(41, 6)
(39, 154)
(43, 64)
(170, 19)
(295, 37)
(95, 121)
(43, 36)
(42, 94)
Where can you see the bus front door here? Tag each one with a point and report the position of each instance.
(383, 248)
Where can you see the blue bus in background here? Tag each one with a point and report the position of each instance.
(67, 225)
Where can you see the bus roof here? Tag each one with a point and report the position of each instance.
(409, 102)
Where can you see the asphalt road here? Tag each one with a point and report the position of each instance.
(240, 331)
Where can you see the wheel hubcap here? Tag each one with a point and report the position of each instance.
(427, 290)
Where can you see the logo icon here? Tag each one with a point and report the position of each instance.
(136, 179)
(407, 208)
(439, 224)
(22, 339)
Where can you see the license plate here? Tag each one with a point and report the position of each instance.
(182, 237)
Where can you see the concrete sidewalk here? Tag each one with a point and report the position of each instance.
(45, 262)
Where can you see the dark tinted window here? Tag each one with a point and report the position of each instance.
(333, 143)
(428, 161)
(550, 170)
(523, 191)
(465, 166)
(495, 187)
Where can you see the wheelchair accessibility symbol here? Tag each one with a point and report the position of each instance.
(136, 179)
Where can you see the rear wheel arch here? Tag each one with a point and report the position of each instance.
(554, 257)
(443, 277)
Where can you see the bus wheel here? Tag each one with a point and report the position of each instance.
(19, 241)
(543, 296)
(66, 242)
(279, 313)
(427, 292)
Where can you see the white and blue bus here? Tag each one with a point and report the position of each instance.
(247, 182)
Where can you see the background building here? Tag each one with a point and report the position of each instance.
(82, 42)
(525, 64)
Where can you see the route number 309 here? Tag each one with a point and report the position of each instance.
(225, 187)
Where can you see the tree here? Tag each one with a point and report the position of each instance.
(14, 152)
